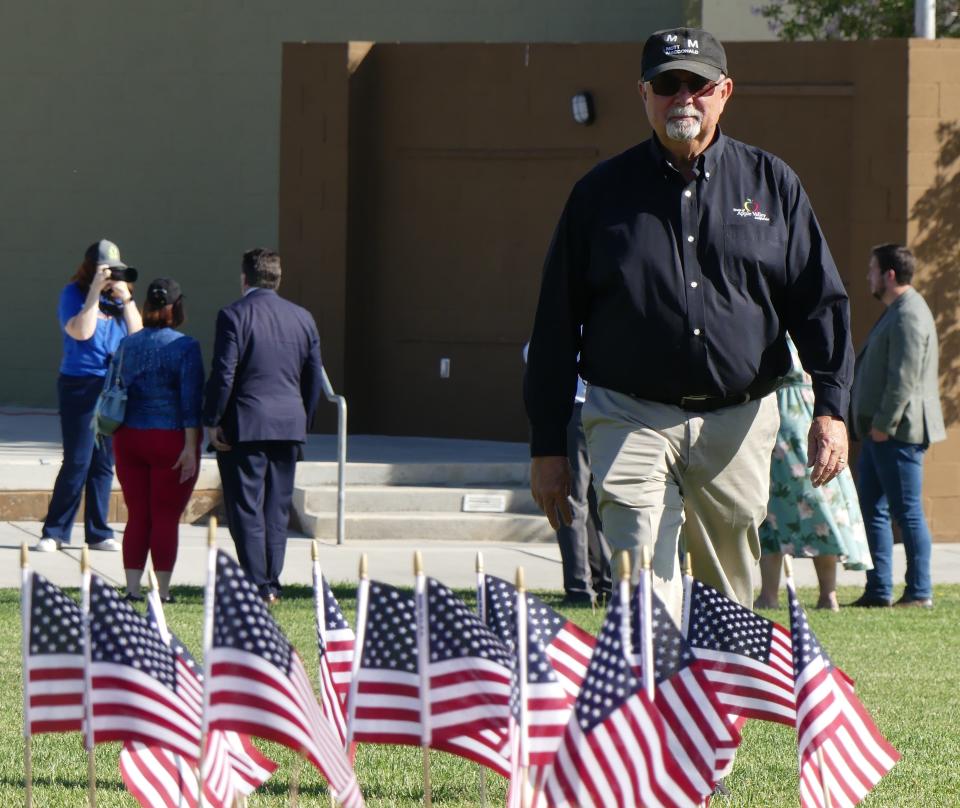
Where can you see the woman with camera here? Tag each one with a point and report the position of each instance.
(96, 311)
(158, 447)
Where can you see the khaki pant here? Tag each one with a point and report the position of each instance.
(658, 468)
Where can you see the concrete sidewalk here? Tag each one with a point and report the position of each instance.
(390, 562)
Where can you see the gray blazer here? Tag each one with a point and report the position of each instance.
(896, 384)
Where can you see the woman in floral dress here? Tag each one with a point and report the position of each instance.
(806, 522)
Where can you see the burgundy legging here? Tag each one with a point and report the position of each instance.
(154, 495)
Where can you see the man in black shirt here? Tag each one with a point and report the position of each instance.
(675, 271)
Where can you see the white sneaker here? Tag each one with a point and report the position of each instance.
(108, 545)
(46, 545)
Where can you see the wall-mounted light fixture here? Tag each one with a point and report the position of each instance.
(581, 105)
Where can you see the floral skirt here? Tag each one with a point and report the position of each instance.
(804, 521)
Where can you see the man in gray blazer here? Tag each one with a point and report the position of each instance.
(896, 413)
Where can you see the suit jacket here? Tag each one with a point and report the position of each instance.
(265, 379)
(896, 382)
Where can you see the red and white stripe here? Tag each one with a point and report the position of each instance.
(625, 761)
(831, 719)
(570, 653)
(55, 692)
(247, 694)
(753, 689)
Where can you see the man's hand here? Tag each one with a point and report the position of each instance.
(216, 440)
(826, 448)
(550, 486)
(878, 436)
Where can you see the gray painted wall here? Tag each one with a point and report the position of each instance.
(157, 125)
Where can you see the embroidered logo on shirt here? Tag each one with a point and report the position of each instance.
(752, 209)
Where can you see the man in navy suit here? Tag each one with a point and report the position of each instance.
(264, 386)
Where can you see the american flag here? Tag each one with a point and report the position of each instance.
(53, 626)
(141, 690)
(469, 674)
(747, 658)
(701, 734)
(831, 721)
(549, 700)
(568, 646)
(615, 751)
(335, 641)
(258, 684)
(159, 778)
(387, 702)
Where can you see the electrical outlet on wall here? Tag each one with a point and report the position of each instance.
(444, 368)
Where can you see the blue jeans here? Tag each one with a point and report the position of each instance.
(891, 478)
(87, 467)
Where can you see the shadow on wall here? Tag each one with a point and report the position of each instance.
(937, 247)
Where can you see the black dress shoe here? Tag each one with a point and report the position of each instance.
(919, 603)
(720, 789)
(131, 598)
(866, 601)
(270, 598)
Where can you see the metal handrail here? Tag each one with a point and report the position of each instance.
(341, 403)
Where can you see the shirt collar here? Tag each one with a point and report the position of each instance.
(707, 163)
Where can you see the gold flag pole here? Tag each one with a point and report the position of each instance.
(208, 598)
(481, 611)
(88, 739)
(424, 661)
(294, 790)
(25, 586)
(827, 800)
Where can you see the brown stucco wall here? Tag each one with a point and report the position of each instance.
(457, 159)
(932, 199)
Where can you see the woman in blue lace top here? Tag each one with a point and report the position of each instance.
(158, 447)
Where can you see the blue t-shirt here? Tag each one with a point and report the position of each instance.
(89, 357)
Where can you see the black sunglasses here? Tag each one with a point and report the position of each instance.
(669, 83)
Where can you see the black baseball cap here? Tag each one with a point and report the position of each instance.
(162, 291)
(691, 49)
(104, 252)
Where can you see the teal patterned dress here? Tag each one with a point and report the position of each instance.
(804, 521)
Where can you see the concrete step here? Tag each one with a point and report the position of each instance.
(410, 498)
(412, 526)
(491, 474)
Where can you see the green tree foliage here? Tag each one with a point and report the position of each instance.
(852, 19)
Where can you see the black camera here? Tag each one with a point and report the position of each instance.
(126, 274)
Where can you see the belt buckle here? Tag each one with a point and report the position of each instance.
(692, 401)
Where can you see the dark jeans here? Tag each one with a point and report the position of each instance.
(87, 467)
(890, 483)
(583, 550)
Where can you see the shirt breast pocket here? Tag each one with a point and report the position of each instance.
(754, 251)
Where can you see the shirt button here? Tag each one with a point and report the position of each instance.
(696, 332)
(688, 194)
(690, 238)
(693, 284)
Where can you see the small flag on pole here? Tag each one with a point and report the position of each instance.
(700, 732)
(140, 690)
(746, 658)
(615, 749)
(842, 753)
(335, 645)
(258, 685)
(53, 664)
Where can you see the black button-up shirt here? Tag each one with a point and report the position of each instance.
(667, 288)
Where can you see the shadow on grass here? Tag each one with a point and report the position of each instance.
(62, 782)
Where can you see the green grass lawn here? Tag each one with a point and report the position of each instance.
(905, 663)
